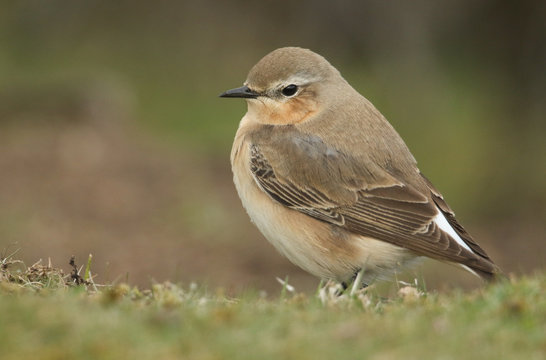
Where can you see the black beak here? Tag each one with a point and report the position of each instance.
(242, 92)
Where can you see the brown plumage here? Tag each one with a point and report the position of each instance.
(329, 181)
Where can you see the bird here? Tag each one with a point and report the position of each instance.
(331, 184)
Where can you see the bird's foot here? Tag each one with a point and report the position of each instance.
(355, 282)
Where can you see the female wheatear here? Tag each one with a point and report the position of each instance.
(330, 183)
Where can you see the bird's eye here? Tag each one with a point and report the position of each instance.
(289, 90)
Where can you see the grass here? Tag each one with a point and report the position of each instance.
(46, 315)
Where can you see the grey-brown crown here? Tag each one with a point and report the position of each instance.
(284, 63)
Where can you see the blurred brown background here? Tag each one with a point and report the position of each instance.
(113, 141)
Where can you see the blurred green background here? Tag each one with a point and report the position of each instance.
(113, 140)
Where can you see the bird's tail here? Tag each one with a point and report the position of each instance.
(490, 275)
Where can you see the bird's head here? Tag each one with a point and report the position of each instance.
(287, 86)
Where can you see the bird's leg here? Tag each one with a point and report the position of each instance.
(357, 281)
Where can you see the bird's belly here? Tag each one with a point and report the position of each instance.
(284, 229)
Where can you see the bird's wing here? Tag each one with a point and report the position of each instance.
(305, 174)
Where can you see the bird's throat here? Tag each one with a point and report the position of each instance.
(291, 112)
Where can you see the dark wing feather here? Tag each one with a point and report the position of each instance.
(397, 214)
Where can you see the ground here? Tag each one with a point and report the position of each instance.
(45, 313)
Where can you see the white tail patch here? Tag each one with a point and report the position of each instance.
(442, 223)
(469, 270)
